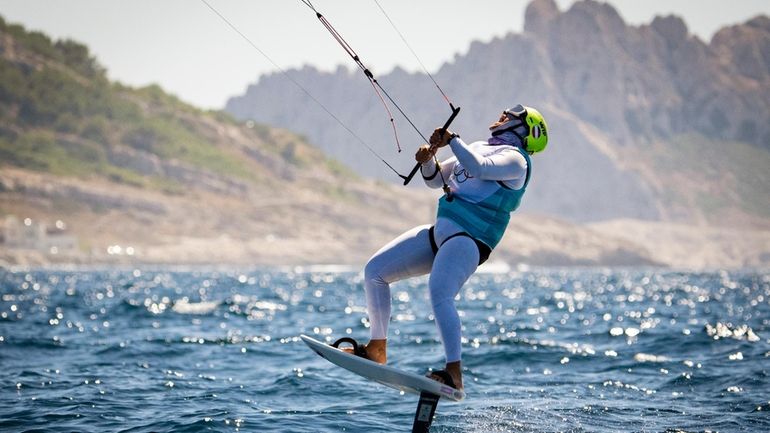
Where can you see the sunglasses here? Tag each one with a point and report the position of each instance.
(517, 111)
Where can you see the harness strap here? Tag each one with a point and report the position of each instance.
(484, 250)
(432, 236)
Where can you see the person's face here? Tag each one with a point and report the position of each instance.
(503, 118)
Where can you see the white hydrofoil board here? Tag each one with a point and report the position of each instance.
(384, 374)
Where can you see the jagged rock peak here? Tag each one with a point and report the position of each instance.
(600, 10)
(672, 28)
(760, 22)
(759, 25)
(747, 46)
(543, 17)
(538, 15)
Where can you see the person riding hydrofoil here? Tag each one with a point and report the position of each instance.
(487, 180)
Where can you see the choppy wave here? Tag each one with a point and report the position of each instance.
(544, 350)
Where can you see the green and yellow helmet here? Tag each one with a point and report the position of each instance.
(527, 124)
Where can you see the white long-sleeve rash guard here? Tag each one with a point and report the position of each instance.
(474, 165)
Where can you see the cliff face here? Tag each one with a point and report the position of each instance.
(617, 98)
(658, 80)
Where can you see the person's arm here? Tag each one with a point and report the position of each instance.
(431, 175)
(506, 164)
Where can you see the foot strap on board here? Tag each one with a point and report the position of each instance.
(425, 410)
(357, 349)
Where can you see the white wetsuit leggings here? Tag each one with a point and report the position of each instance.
(411, 255)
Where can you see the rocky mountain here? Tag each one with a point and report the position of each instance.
(93, 171)
(628, 110)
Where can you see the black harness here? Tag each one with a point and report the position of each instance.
(484, 250)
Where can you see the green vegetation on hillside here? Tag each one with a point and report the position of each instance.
(59, 113)
(70, 53)
(53, 98)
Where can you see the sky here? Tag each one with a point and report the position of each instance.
(187, 49)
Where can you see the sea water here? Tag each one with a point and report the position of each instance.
(550, 350)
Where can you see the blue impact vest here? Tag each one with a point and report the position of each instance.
(487, 219)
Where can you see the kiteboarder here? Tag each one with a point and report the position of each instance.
(487, 180)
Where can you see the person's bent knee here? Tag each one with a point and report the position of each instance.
(442, 288)
(440, 303)
(373, 271)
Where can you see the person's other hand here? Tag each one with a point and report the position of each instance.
(424, 153)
